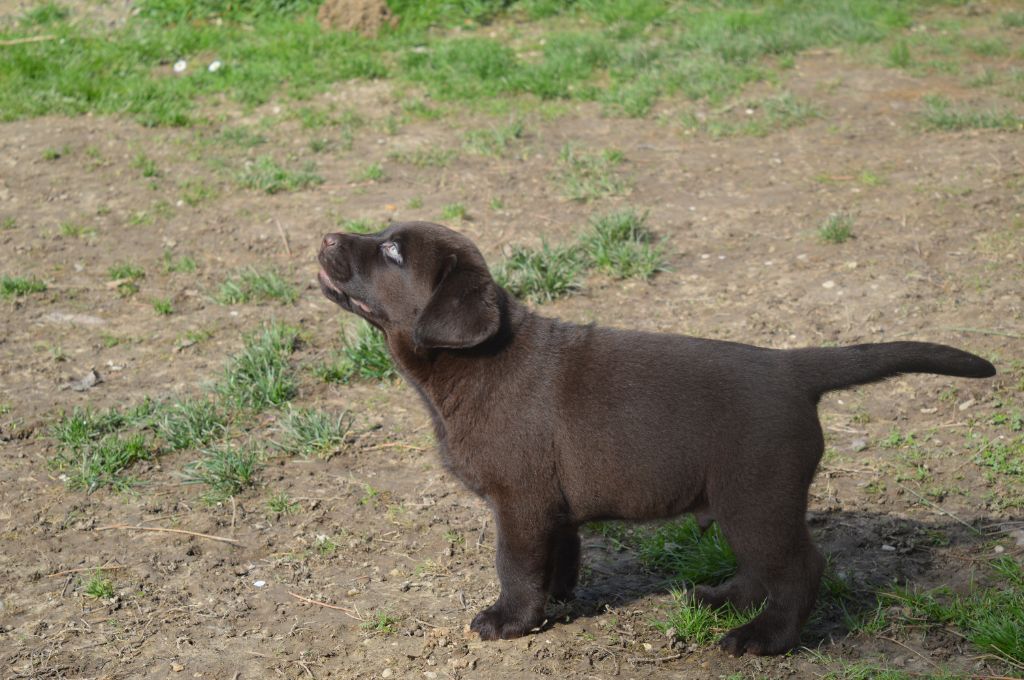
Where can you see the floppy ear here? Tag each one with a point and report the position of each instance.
(462, 311)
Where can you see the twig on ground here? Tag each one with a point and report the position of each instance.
(947, 513)
(128, 527)
(343, 610)
(110, 567)
(284, 237)
(22, 41)
(911, 649)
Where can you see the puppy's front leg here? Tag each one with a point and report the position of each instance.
(524, 543)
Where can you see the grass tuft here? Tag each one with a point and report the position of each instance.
(251, 285)
(308, 432)
(493, 141)
(226, 469)
(540, 275)
(697, 624)
(264, 174)
(190, 424)
(259, 376)
(991, 618)
(18, 286)
(939, 114)
(99, 586)
(364, 357)
(102, 463)
(837, 228)
(587, 176)
(619, 244)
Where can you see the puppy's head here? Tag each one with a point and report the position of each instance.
(417, 280)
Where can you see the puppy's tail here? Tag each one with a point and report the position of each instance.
(823, 369)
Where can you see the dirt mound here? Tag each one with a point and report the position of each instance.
(364, 16)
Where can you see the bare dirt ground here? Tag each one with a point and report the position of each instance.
(938, 255)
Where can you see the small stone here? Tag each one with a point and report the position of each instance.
(648, 646)
(829, 284)
(966, 405)
(387, 673)
(999, 549)
(858, 445)
(259, 584)
(177, 667)
(888, 548)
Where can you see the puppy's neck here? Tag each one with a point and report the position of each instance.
(446, 378)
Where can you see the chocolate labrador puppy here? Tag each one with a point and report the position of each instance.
(556, 424)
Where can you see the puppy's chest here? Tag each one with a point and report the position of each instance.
(459, 454)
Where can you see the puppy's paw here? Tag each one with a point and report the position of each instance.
(757, 639)
(494, 624)
(564, 594)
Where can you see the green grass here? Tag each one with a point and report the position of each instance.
(837, 228)
(453, 211)
(371, 173)
(72, 230)
(182, 264)
(381, 623)
(99, 586)
(266, 175)
(364, 357)
(1002, 456)
(588, 176)
(197, 190)
(699, 625)
(991, 618)
(678, 548)
(899, 55)
(8, 223)
(125, 271)
(626, 55)
(226, 469)
(252, 285)
(620, 245)
(163, 306)
(259, 376)
(146, 165)
(494, 140)
(102, 463)
(540, 275)
(757, 118)
(424, 158)
(362, 226)
(939, 114)
(18, 286)
(282, 504)
(307, 432)
(191, 423)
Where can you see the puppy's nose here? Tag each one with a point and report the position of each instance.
(330, 241)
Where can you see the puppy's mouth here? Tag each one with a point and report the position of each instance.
(335, 294)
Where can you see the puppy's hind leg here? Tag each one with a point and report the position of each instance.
(777, 555)
(564, 566)
(742, 591)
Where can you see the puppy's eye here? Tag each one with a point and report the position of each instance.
(391, 251)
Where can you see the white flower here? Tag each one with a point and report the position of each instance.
(180, 66)
(214, 66)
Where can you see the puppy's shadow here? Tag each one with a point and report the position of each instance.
(867, 552)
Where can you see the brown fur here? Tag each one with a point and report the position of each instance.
(556, 424)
